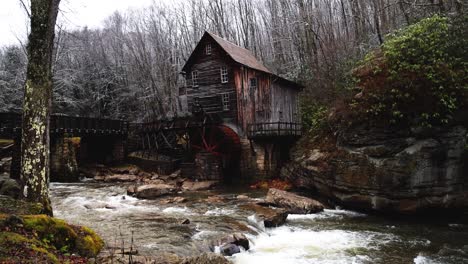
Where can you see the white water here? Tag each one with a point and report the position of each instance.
(331, 237)
(290, 244)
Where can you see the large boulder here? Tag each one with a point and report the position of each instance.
(152, 191)
(9, 187)
(293, 203)
(401, 171)
(271, 217)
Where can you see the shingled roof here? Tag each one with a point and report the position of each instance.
(237, 53)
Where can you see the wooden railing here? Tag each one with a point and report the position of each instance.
(274, 129)
(10, 124)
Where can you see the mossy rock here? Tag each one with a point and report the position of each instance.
(9, 205)
(88, 243)
(44, 239)
(17, 248)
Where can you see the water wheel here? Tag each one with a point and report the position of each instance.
(219, 141)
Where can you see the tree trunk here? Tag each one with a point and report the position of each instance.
(37, 103)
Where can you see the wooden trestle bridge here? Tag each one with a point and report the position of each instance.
(177, 140)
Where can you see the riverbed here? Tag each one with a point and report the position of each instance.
(333, 236)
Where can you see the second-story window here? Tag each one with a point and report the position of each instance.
(208, 49)
(224, 74)
(253, 84)
(195, 78)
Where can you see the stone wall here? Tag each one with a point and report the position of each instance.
(63, 164)
(207, 166)
(261, 160)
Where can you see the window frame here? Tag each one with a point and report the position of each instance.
(208, 49)
(195, 79)
(224, 74)
(256, 83)
(226, 101)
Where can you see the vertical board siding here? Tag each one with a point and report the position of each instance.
(253, 104)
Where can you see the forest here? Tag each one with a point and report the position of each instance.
(303, 131)
(130, 67)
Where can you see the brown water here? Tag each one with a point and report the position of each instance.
(334, 236)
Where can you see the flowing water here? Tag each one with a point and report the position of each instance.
(333, 236)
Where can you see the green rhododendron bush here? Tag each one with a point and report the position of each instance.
(418, 77)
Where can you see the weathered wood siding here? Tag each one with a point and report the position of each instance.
(253, 104)
(284, 103)
(210, 88)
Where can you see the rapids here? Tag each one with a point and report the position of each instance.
(333, 236)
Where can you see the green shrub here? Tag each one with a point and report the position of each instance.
(419, 76)
(313, 115)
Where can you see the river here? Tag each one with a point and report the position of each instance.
(333, 236)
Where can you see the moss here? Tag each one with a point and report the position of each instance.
(53, 231)
(45, 238)
(11, 244)
(90, 244)
(9, 205)
(51, 258)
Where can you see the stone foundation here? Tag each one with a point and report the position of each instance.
(63, 164)
(207, 166)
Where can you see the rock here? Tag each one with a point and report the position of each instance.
(5, 164)
(112, 207)
(198, 186)
(131, 190)
(151, 191)
(293, 203)
(173, 200)
(242, 197)
(135, 171)
(236, 239)
(214, 199)
(9, 205)
(121, 178)
(175, 174)
(179, 200)
(99, 178)
(10, 187)
(229, 249)
(206, 258)
(271, 217)
(95, 206)
(404, 171)
(186, 222)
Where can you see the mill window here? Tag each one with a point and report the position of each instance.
(225, 101)
(195, 78)
(253, 83)
(208, 49)
(224, 74)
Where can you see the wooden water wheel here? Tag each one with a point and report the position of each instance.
(221, 141)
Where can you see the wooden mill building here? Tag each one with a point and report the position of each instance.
(255, 105)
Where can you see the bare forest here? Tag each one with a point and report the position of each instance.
(130, 67)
